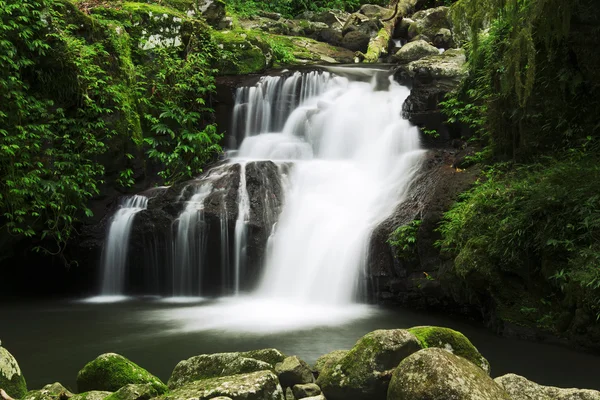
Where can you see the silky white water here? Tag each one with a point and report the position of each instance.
(114, 257)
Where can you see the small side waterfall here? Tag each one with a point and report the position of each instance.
(241, 230)
(114, 256)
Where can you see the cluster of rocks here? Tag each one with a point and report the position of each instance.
(418, 363)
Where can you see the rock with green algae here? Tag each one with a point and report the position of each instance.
(328, 359)
(11, 377)
(429, 22)
(270, 356)
(520, 388)
(92, 395)
(261, 385)
(110, 372)
(207, 366)
(293, 371)
(438, 374)
(53, 391)
(245, 54)
(143, 391)
(451, 340)
(413, 51)
(364, 372)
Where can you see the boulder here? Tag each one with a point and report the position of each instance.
(401, 28)
(364, 372)
(331, 36)
(261, 385)
(11, 377)
(207, 366)
(54, 391)
(356, 41)
(293, 371)
(413, 51)
(438, 374)
(451, 340)
(328, 359)
(135, 392)
(92, 395)
(520, 388)
(374, 11)
(306, 390)
(270, 356)
(212, 10)
(443, 39)
(358, 22)
(110, 372)
(429, 22)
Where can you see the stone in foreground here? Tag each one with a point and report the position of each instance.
(11, 377)
(262, 385)
(306, 390)
(54, 391)
(520, 388)
(208, 366)
(135, 392)
(451, 340)
(438, 374)
(110, 372)
(364, 372)
(270, 356)
(293, 371)
(92, 395)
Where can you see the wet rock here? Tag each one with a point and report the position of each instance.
(520, 388)
(207, 366)
(443, 39)
(326, 360)
(54, 391)
(364, 372)
(270, 356)
(135, 392)
(11, 377)
(306, 390)
(261, 385)
(451, 340)
(293, 371)
(413, 51)
(437, 374)
(356, 41)
(110, 372)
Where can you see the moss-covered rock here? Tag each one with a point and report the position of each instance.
(11, 377)
(270, 356)
(448, 65)
(328, 359)
(135, 392)
(242, 54)
(92, 395)
(54, 391)
(413, 51)
(306, 390)
(438, 374)
(261, 385)
(207, 366)
(451, 340)
(110, 372)
(356, 41)
(520, 388)
(293, 371)
(364, 372)
(429, 22)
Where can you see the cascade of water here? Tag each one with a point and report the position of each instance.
(114, 256)
(354, 158)
(241, 230)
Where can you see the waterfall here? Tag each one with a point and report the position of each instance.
(353, 159)
(114, 256)
(241, 230)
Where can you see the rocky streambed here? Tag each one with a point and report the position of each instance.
(424, 362)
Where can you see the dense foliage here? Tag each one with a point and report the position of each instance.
(72, 89)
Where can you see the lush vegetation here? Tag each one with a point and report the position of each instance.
(80, 93)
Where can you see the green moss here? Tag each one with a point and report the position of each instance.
(111, 372)
(11, 378)
(134, 392)
(445, 338)
(378, 46)
(241, 54)
(270, 356)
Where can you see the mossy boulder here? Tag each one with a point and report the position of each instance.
(356, 41)
(244, 54)
(92, 395)
(212, 10)
(413, 51)
(207, 366)
(261, 385)
(54, 391)
(135, 392)
(293, 371)
(364, 372)
(306, 390)
(11, 377)
(520, 388)
(438, 374)
(448, 65)
(429, 22)
(270, 356)
(328, 359)
(451, 340)
(110, 372)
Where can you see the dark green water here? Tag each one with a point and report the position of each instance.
(53, 340)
